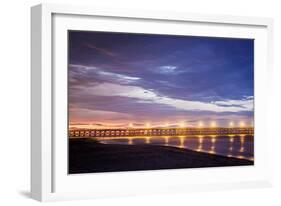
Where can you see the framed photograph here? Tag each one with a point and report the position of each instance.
(137, 102)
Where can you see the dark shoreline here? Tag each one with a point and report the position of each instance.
(89, 156)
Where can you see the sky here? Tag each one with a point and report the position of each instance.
(122, 79)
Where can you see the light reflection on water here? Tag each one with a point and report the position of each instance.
(240, 146)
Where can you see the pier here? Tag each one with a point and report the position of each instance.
(159, 132)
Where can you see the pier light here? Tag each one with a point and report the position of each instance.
(242, 124)
(240, 157)
(213, 124)
(130, 140)
(242, 139)
(231, 124)
(199, 149)
(147, 140)
(242, 149)
(166, 140)
(181, 142)
(212, 151)
(181, 124)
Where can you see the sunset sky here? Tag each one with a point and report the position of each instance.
(117, 79)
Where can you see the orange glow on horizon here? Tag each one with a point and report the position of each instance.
(157, 124)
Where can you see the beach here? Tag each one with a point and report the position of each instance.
(89, 156)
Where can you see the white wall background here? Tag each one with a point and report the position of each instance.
(15, 95)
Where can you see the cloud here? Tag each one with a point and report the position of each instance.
(167, 69)
(101, 50)
(149, 96)
(125, 78)
(246, 103)
(94, 72)
(109, 89)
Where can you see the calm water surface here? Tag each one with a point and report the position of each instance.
(240, 146)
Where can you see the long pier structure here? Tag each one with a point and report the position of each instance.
(160, 132)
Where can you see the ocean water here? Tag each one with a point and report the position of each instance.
(239, 146)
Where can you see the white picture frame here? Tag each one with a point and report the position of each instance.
(49, 181)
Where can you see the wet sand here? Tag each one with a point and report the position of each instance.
(89, 156)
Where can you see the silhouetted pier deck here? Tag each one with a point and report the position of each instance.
(160, 132)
